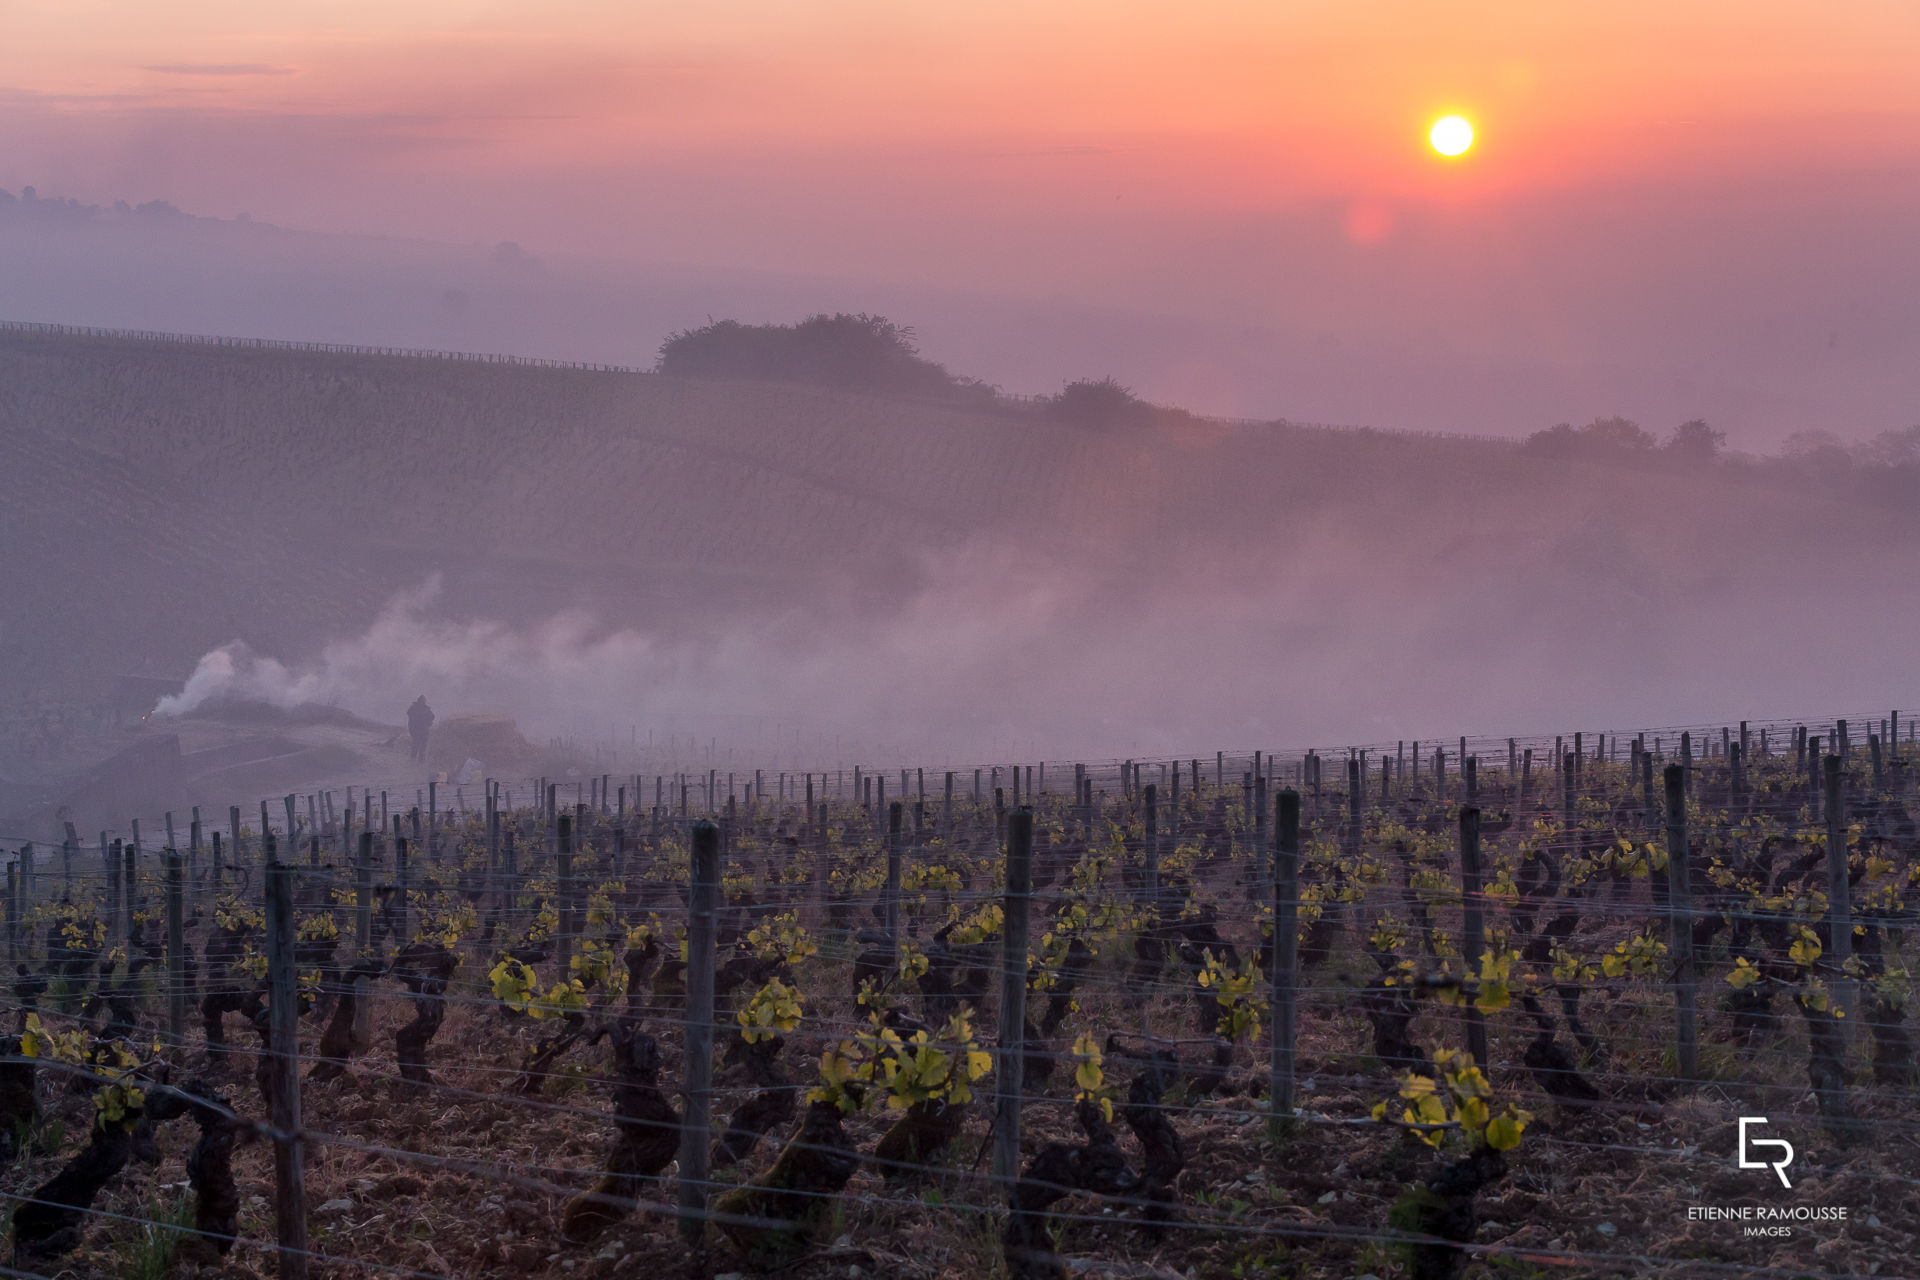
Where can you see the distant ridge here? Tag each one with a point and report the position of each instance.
(542, 362)
(287, 344)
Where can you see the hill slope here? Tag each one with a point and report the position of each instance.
(898, 558)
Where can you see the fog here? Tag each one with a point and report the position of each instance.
(1479, 324)
(1337, 631)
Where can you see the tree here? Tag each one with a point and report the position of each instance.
(1894, 448)
(1603, 437)
(1622, 434)
(1695, 441)
(1102, 403)
(855, 352)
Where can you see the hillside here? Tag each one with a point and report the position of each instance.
(163, 498)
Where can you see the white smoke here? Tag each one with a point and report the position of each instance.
(996, 654)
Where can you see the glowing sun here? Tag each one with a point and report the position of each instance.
(1451, 135)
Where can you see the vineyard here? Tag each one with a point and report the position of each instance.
(1482, 1008)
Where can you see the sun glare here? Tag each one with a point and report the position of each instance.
(1451, 135)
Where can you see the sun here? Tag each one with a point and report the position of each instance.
(1451, 135)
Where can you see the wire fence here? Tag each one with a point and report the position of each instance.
(1408, 1008)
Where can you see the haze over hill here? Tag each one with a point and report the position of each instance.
(856, 575)
(1448, 325)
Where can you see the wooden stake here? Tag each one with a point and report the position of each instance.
(563, 889)
(1473, 932)
(1839, 889)
(1680, 924)
(697, 1073)
(363, 942)
(176, 952)
(1286, 940)
(289, 1146)
(892, 903)
(1008, 1081)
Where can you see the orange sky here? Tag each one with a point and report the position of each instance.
(1210, 106)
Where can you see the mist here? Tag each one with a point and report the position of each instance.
(1480, 325)
(1341, 630)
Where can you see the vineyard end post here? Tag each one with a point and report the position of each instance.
(892, 903)
(1473, 931)
(697, 1077)
(1839, 890)
(563, 887)
(1286, 941)
(362, 1038)
(1680, 917)
(289, 1155)
(176, 951)
(1008, 1082)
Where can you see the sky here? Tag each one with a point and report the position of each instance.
(1704, 207)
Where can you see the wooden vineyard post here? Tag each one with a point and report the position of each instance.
(176, 952)
(494, 879)
(1470, 776)
(1473, 929)
(1150, 846)
(1839, 892)
(1568, 763)
(1353, 814)
(402, 885)
(289, 1153)
(433, 822)
(128, 894)
(892, 903)
(946, 813)
(1286, 941)
(346, 833)
(1259, 830)
(1646, 788)
(822, 864)
(697, 1076)
(363, 942)
(1680, 918)
(1246, 813)
(110, 872)
(235, 849)
(1686, 760)
(563, 889)
(1007, 1074)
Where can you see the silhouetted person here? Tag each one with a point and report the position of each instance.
(419, 722)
